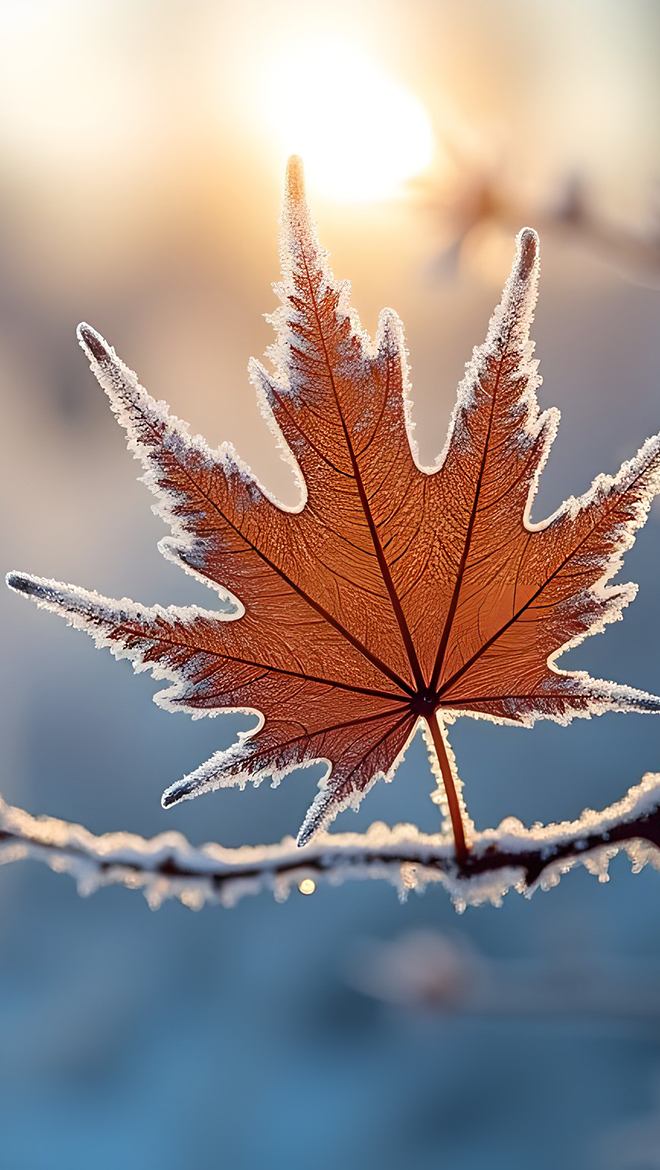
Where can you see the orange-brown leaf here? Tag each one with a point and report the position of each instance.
(392, 593)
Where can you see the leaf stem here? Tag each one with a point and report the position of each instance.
(462, 848)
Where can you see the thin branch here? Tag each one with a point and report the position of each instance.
(510, 857)
(487, 194)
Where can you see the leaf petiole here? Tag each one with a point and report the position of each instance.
(458, 828)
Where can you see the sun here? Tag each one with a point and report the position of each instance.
(360, 133)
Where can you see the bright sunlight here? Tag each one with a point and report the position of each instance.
(359, 132)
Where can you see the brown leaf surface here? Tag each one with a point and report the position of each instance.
(393, 593)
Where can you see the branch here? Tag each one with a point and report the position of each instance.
(484, 194)
(510, 857)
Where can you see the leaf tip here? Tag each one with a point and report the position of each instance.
(513, 317)
(22, 583)
(315, 817)
(527, 256)
(183, 789)
(92, 343)
(295, 179)
(308, 827)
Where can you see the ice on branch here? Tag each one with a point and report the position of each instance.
(510, 857)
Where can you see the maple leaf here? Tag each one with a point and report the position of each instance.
(392, 593)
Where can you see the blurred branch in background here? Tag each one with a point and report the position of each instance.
(508, 858)
(424, 969)
(481, 196)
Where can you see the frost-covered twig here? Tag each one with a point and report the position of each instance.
(502, 859)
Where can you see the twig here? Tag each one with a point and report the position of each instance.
(484, 195)
(510, 857)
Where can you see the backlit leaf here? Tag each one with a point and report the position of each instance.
(392, 594)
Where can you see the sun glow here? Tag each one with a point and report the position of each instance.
(359, 132)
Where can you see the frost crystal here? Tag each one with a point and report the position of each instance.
(509, 858)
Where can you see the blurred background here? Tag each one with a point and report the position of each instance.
(142, 148)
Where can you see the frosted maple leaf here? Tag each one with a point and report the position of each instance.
(392, 594)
